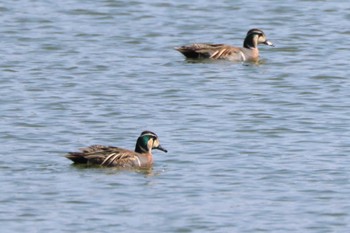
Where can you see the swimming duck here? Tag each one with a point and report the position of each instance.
(109, 156)
(249, 52)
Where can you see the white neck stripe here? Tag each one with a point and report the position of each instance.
(138, 161)
(242, 55)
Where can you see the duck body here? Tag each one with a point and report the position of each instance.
(110, 156)
(249, 51)
(219, 51)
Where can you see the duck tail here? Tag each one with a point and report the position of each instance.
(76, 157)
(188, 51)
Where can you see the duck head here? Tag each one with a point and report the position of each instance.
(148, 141)
(254, 37)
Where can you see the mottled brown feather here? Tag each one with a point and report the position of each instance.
(108, 156)
(213, 51)
(249, 51)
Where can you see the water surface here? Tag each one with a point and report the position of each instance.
(252, 147)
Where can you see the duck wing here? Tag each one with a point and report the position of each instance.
(214, 51)
(105, 156)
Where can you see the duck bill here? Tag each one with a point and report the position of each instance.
(269, 43)
(161, 148)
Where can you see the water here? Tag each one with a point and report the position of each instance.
(252, 147)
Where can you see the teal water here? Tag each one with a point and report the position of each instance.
(252, 147)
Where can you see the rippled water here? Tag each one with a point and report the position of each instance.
(252, 147)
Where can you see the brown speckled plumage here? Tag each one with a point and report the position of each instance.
(249, 51)
(110, 156)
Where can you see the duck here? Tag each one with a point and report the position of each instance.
(110, 156)
(248, 53)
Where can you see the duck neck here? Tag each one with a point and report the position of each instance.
(140, 149)
(251, 42)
